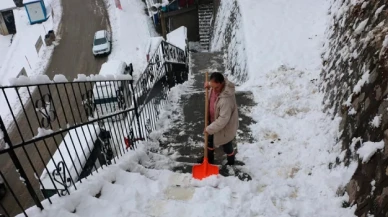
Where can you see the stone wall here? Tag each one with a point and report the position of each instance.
(228, 37)
(355, 80)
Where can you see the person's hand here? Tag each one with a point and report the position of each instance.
(204, 131)
(206, 85)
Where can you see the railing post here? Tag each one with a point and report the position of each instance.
(136, 109)
(18, 166)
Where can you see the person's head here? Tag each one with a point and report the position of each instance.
(217, 81)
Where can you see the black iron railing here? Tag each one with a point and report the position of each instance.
(58, 133)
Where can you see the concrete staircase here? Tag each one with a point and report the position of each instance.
(205, 14)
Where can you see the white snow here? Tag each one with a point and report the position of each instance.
(364, 79)
(22, 53)
(372, 183)
(130, 39)
(376, 121)
(385, 42)
(178, 37)
(360, 28)
(60, 78)
(368, 149)
(34, 79)
(6, 4)
(379, 10)
(276, 33)
(352, 111)
(43, 132)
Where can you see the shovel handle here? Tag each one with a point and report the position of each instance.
(206, 114)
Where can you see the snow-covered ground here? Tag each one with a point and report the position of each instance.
(22, 52)
(132, 30)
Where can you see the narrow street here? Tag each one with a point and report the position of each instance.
(73, 55)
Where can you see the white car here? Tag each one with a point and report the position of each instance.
(102, 43)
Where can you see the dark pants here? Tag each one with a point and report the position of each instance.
(228, 147)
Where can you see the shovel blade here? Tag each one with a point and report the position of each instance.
(204, 170)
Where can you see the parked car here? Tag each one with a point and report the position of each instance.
(110, 97)
(102, 43)
(68, 165)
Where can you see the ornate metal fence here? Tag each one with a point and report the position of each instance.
(56, 134)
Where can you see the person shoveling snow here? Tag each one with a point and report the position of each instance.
(223, 114)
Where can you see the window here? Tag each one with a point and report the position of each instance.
(99, 41)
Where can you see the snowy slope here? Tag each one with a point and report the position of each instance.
(281, 32)
(132, 30)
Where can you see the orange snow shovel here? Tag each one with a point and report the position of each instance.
(205, 169)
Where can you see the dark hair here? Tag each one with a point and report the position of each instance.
(217, 77)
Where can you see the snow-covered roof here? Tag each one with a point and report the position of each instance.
(178, 37)
(7, 5)
(100, 34)
(113, 67)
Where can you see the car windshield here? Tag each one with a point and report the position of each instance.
(99, 41)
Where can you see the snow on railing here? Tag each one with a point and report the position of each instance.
(63, 131)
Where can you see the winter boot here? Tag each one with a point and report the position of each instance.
(230, 160)
(210, 157)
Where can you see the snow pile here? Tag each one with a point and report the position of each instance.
(178, 37)
(368, 149)
(376, 122)
(132, 30)
(364, 79)
(361, 27)
(6, 4)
